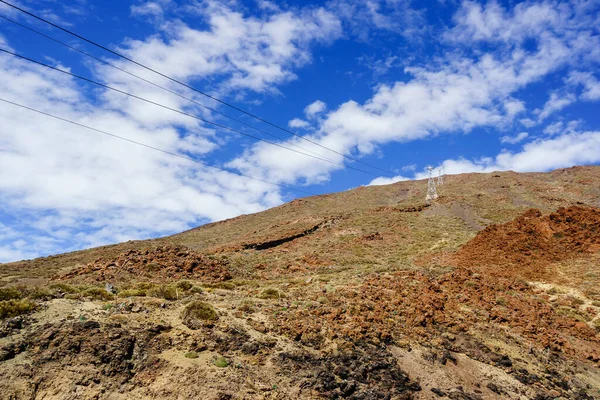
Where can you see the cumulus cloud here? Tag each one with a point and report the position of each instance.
(298, 123)
(315, 108)
(452, 94)
(562, 151)
(77, 188)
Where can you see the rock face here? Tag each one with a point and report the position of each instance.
(533, 241)
(163, 262)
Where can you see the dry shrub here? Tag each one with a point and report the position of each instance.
(198, 314)
(12, 308)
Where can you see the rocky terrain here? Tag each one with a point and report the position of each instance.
(490, 292)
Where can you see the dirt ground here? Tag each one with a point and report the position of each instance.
(491, 292)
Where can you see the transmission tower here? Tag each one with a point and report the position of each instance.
(431, 186)
(440, 179)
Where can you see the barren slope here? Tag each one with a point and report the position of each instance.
(369, 293)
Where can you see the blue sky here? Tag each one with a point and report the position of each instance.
(397, 84)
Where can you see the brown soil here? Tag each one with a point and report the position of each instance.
(163, 263)
(527, 245)
(421, 307)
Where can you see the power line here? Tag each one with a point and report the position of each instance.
(188, 86)
(178, 111)
(153, 84)
(154, 148)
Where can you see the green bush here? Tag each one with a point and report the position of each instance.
(10, 293)
(163, 292)
(63, 288)
(184, 285)
(40, 293)
(196, 289)
(270, 293)
(221, 362)
(12, 308)
(191, 354)
(220, 285)
(97, 293)
(132, 293)
(198, 314)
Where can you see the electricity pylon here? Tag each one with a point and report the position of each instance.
(440, 179)
(431, 187)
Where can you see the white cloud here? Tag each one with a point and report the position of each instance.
(590, 83)
(514, 139)
(554, 128)
(78, 188)
(315, 108)
(563, 151)
(555, 103)
(247, 53)
(365, 18)
(153, 9)
(298, 123)
(451, 94)
(527, 122)
(386, 181)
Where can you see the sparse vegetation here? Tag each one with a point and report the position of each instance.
(246, 306)
(184, 285)
(198, 314)
(191, 354)
(163, 292)
(40, 293)
(221, 362)
(132, 293)
(555, 290)
(10, 293)
(220, 285)
(97, 293)
(270, 293)
(13, 307)
(196, 289)
(63, 288)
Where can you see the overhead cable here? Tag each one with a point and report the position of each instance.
(178, 111)
(72, 33)
(155, 148)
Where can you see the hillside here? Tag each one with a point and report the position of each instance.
(491, 291)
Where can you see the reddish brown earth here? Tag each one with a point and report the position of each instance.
(527, 245)
(159, 263)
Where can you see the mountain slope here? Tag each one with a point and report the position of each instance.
(369, 293)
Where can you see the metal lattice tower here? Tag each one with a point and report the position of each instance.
(431, 186)
(440, 179)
